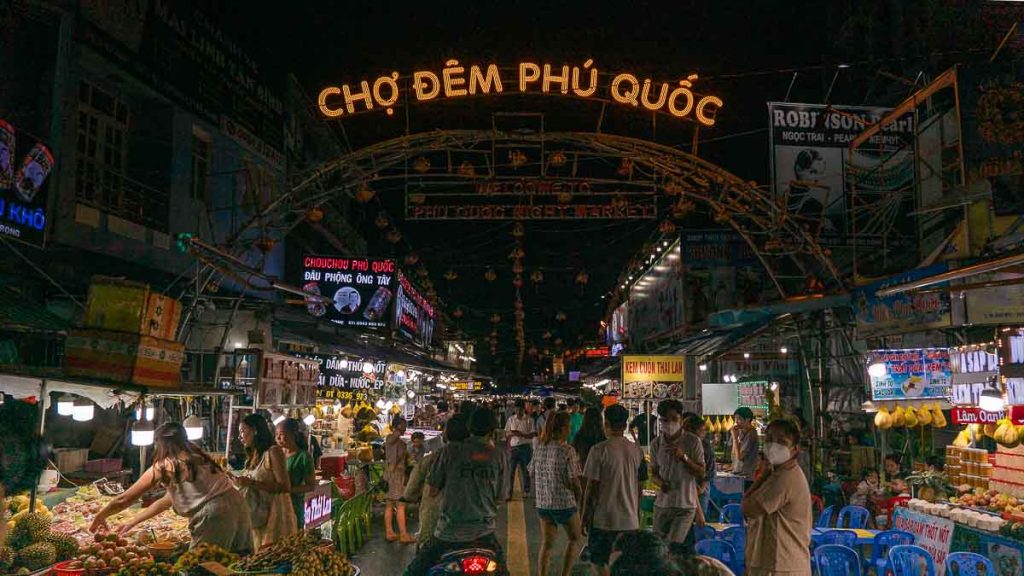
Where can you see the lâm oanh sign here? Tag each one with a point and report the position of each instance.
(457, 80)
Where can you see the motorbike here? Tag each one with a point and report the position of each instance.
(468, 561)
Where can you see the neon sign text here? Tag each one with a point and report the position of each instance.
(456, 80)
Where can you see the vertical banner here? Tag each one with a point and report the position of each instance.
(812, 168)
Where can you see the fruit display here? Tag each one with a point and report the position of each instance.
(204, 553)
(148, 568)
(110, 552)
(31, 544)
(74, 516)
(991, 500)
(910, 416)
(297, 554)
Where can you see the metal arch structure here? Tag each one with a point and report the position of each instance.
(780, 240)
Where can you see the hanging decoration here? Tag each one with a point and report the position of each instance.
(558, 159)
(411, 259)
(490, 275)
(421, 164)
(422, 271)
(364, 194)
(673, 188)
(517, 230)
(683, 208)
(467, 169)
(451, 275)
(517, 267)
(560, 316)
(315, 215)
(667, 227)
(582, 278)
(546, 335)
(394, 236)
(495, 318)
(381, 221)
(457, 313)
(537, 277)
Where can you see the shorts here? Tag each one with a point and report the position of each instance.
(600, 543)
(557, 517)
(673, 524)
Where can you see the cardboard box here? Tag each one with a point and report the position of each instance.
(115, 304)
(71, 459)
(100, 354)
(158, 362)
(161, 318)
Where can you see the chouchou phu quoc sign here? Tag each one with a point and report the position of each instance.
(455, 80)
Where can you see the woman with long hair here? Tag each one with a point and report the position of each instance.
(196, 487)
(395, 459)
(265, 483)
(556, 476)
(299, 462)
(591, 433)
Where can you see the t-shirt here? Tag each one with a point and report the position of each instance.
(639, 427)
(300, 467)
(470, 476)
(779, 536)
(524, 425)
(575, 423)
(552, 467)
(618, 465)
(682, 492)
(747, 464)
(709, 460)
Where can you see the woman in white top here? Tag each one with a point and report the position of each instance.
(265, 483)
(197, 489)
(556, 478)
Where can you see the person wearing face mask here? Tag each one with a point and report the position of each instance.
(778, 509)
(677, 465)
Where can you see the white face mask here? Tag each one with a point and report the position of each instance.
(671, 428)
(777, 453)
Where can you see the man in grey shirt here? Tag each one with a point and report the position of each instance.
(744, 445)
(469, 476)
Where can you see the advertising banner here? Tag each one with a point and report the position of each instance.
(812, 169)
(906, 312)
(1007, 555)
(25, 167)
(344, 378)
(932, 533)
(656, 300)
(414, 316)
(915, 373)
(654, 377)
(357, 290)
(618, 328)
(317, 506)
(1002, 305)
(721, 272)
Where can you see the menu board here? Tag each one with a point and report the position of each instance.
(349, 291)
(414, 316)
(343, 378)
(654, 377)
(752, 394)
(914, 373)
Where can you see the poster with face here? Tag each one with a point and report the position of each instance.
(25, 167)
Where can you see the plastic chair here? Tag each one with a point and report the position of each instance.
(732, 514)
(837, 560)
(853, 517)
(737, 536)
(703, 533)
(719, 550)
(969, 564)
(825, 518)
(911, 561)
(880, 549)
(846, 538)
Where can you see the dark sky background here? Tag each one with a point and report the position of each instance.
(745, 51)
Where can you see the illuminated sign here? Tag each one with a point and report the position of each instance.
(348, 291)
(23, 189)
(414, 316)
(913, 373)
(455, 80)
(317, 506)
(969, 415)
(598, 352)
(467, 386)
(345, 378)
(652, 376)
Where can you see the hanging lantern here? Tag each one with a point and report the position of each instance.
(582, 278)
(517, 230)
(417, 198)
(422, 271)
(314, 215)
(381, 221)
(672, 188)
(427, 285)
(625, 168)
(451, 275)
(619, 203)
(667, 227)
(517, 281)
(495, 318)
(564, 197)
(421, 164)
(547, 352)
(394, 236)
(490, 275)
(517, 267)
(546, 335)
(560, 316)
(558, 341)
(265, 245)
(519, 314)
(457, 313)
(516, 253)
(537, 277)
(467, 169)
(364, 194)
(518, 305)
(558, 159)
(517, 158)
(411, 259)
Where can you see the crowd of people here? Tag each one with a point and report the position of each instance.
(584, 468)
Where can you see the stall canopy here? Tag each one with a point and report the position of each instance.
(102, 394)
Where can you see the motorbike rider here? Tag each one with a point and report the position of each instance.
(469, 476)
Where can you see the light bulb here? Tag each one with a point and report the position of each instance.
(193, 427)
(878, 370)
(66, 405)
(308, 419)
(746, 355)
(991, 400)
(277, 416)
(142, 433)
(774, 386)
(150, 412)
(367, 367)
(411, 394)
(379, 404)
(703, 367)
(401, 401)
(83, 410)
(784, 350)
